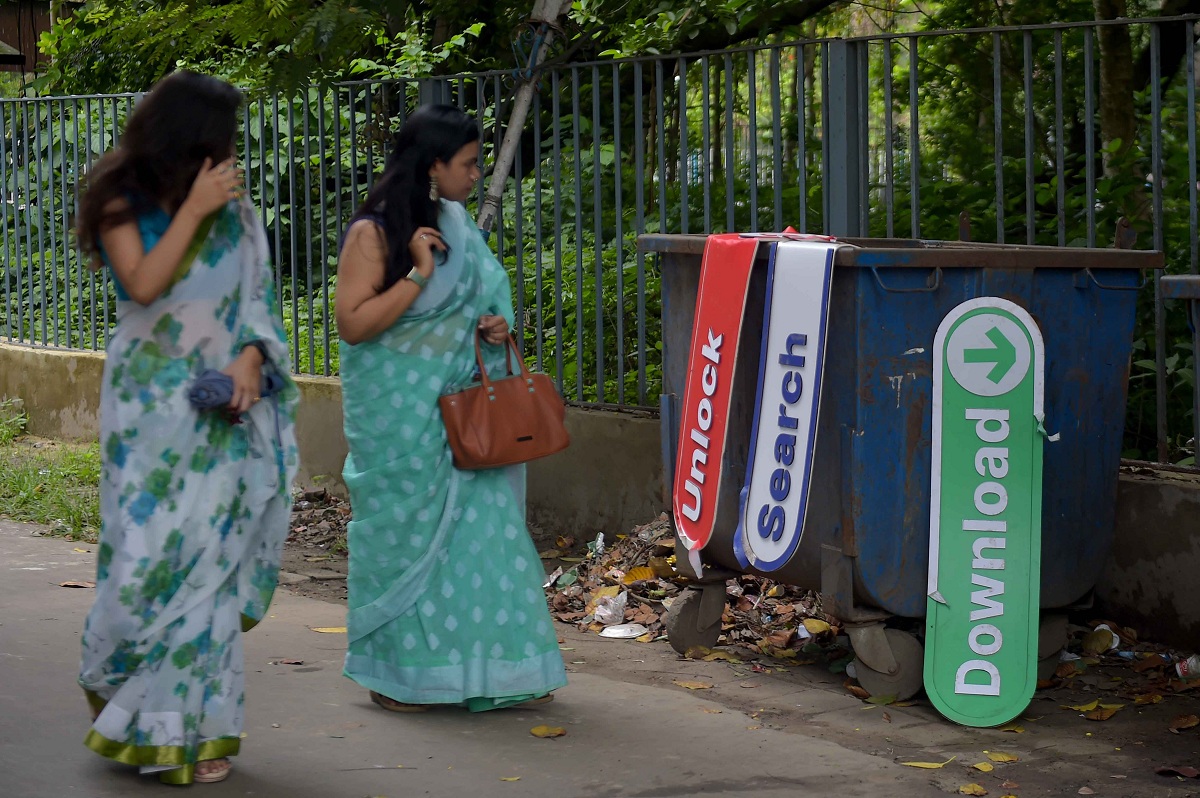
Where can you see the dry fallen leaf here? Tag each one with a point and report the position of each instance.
(1184, 722)
(815, 626)
(1000, 756)
(712, 711)
(639, 574)
(1104, 712)
(547, 731)
(564, 542)
(929, 765)
(971, 789)
(510, 778)
(329, 630)
(1149, 663)
(1186, 772)
(984, 767)
(1009, 785)
(725, 656)
(549, 554)
(694, 685)
(855, 690)
(76, 584)
(1065, 670)
(1097, 642)
(81, 551)
(1083, 707)
(887, 718)
(1153, 698)
(1013, 727)
(1086, 791)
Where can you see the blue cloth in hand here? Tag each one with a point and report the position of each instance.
(214, 389)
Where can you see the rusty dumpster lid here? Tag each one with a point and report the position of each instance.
(907, 252)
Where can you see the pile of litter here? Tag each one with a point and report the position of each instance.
(625, 591)
(319, 521)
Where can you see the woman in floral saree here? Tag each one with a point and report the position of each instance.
(194, 505)
(446, 602)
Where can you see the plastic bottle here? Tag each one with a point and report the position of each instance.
(1189, 668)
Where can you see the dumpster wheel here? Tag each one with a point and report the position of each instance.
(909, 676)
(686, 624)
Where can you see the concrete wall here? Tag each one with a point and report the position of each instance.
(607, 481)
(60, 388)
(1152, 580)
(610, 479)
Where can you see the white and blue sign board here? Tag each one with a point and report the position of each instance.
(774, 501)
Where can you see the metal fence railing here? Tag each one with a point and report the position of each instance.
(1000, 134)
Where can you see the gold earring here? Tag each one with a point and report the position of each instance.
(433, 188)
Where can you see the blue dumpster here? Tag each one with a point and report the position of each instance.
(866, 540)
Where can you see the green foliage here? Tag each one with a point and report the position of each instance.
(410, 53)
(688, 145)
(12, 420)
(126, 45)
(53, 484)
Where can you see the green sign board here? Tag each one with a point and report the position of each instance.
(985, 520)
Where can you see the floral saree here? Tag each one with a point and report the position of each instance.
(195, 509)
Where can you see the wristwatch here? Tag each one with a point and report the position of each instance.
(416, 277)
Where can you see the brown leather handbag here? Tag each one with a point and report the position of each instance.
(515, 419)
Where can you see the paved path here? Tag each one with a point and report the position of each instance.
(312, 734)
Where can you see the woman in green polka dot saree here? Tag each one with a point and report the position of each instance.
(194, 507)
(446, 603)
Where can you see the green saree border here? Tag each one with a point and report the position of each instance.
(174, 756)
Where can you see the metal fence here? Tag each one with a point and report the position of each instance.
(997, 134)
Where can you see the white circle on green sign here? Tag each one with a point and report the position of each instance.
(988, 354)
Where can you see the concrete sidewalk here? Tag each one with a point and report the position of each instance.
(311, 733)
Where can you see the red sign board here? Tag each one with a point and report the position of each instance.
(724, 284)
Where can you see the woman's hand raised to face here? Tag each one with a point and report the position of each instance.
(421, 246)
(215, 186)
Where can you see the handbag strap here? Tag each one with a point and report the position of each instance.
(510, 350)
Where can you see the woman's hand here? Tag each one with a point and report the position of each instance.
(215, 187)
(246, 372)
(493, 329)
(421, 246)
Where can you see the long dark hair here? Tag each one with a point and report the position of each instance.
(401, 197)
(183, 120)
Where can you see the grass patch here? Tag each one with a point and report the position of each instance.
(51, 483)
(12, 420)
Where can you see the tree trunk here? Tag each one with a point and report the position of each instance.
(1173, 44)
(1117, 121)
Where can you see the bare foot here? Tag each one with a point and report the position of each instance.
(209, 771)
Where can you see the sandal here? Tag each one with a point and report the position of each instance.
(216, 774)
(391, 705)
